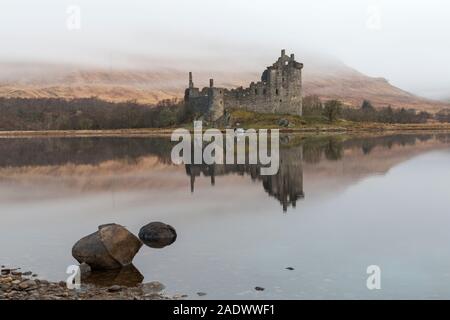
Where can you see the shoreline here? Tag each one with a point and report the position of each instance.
(364, 128)
(16, 285)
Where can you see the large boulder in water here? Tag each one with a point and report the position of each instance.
(157, 235)
(111, 247)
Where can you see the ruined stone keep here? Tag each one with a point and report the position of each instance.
(279, 91)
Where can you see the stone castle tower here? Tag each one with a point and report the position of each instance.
(279, 91)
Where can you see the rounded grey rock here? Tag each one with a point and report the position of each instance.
(157, 235)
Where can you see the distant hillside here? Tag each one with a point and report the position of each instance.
(352, 87)
(327, 80)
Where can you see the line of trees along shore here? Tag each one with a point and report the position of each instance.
(85, 114)
(334, 109)
(95, 114)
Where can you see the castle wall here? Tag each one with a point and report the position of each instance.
(215, 104)
(279, 91)
(196, 101)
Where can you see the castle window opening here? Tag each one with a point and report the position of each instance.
(277, 92)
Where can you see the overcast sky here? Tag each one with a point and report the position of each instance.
(406, 42)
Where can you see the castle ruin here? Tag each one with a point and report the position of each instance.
(279, 91)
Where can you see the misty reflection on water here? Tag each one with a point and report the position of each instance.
(231, 234)
(286, 186)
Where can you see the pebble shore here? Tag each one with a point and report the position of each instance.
(16, 285)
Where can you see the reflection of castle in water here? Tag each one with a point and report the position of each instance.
(286, 185)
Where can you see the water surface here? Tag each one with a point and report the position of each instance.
(337, 205)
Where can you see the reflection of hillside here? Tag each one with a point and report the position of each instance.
(144, 173)
(319, 164)
(362, 158)
(329, 162)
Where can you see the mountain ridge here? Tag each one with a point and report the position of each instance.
(328, 81)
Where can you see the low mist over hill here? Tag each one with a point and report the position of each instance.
(328, 79)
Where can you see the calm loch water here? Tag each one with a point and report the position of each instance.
(338, 205)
